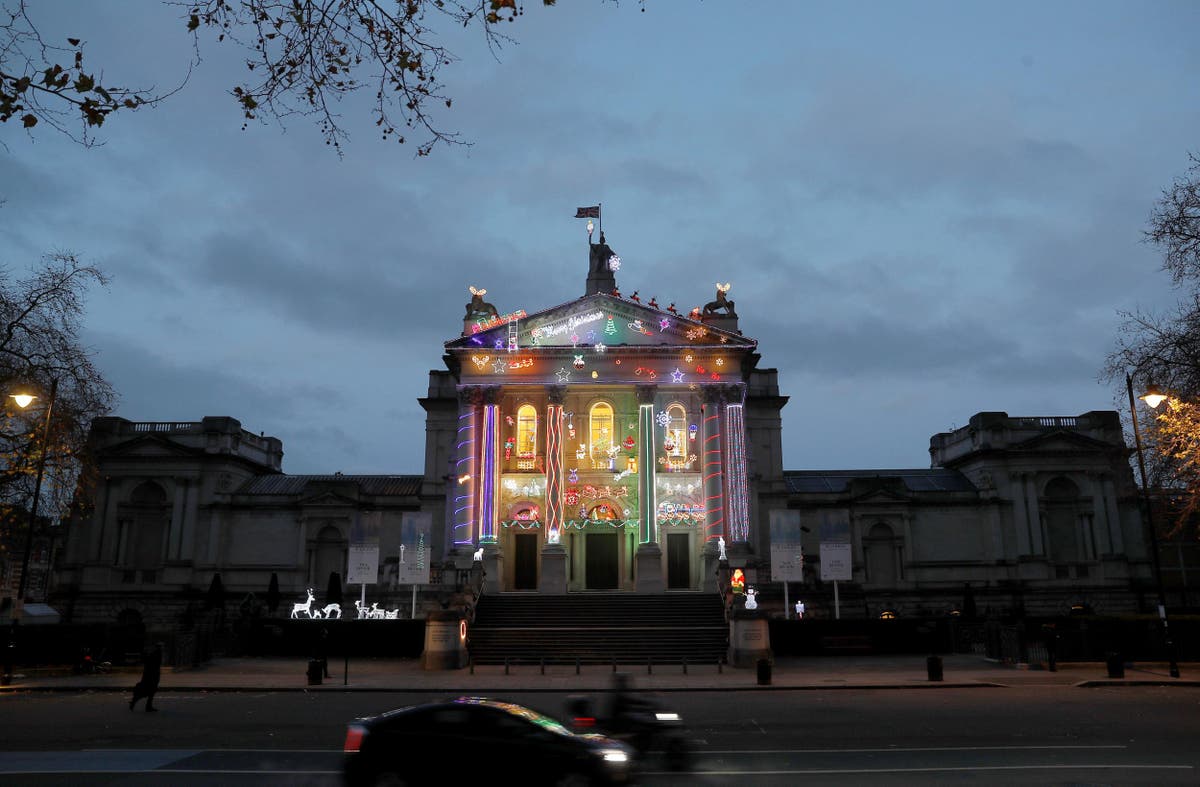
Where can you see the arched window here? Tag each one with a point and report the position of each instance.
(526, 437)
(600, 423)
(1068, 523)
(881, 547)
(675, 442)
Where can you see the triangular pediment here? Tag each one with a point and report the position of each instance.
(597, 320)
(881, 497)
(1062, 441)
(328, 499)
(150, 446)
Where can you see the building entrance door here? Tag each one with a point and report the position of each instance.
(602, 571)
(525, 574)
(679, 567)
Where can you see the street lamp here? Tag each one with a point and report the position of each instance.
(23, 400)
(1152, 397)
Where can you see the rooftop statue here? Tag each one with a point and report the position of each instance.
(721, 302)
(478, 307)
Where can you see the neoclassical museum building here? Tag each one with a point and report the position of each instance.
(619, 445)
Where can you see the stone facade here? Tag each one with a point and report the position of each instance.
(609, 444)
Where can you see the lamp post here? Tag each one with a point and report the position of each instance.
(23, 400)
(1152, 397)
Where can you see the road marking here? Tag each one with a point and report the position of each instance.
(914, 749)
(828, 771)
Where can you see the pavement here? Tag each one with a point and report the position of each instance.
(407, 675)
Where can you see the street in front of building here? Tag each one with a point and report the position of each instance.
(986, 733)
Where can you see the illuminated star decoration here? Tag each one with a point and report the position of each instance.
(600, 347)
(662, 418)
(563, 375)
(614, 263)
(500, 367)
(676, 376)
(663, 324)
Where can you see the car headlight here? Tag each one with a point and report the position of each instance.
(614, 755)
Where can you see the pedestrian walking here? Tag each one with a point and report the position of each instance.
(151, 672)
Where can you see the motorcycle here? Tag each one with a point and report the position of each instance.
(637, 721)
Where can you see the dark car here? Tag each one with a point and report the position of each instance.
(472, 737)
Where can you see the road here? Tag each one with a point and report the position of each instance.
(987, 735)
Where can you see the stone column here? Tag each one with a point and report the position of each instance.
(1021, 512)
(736, 484)
(1037, 544)
(489, 458)
(649, 554)
(553, 576)
(461, 490)
(177, 513)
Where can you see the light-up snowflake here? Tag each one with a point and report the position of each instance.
(662, 418)
(600, 347)
(614, 263)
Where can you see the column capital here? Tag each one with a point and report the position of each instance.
(646, 394)
(470, 394)
(491, 394)
(557, 394)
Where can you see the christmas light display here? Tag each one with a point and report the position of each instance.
(578, 362)
(677, 375)
(714, 499)
(739, 510)
(647, 504)
(610, 328)
(600, 348)
(663, 324)
(487, 496)
(563, 375)
(553, 329)
(479, 326)
(500, 367)
(480, 361)
(554, 506)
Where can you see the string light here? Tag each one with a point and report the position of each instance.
(464, 505)
(739, 511)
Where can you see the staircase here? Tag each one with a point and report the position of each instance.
(599, 628)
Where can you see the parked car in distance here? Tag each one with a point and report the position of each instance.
(477, 738)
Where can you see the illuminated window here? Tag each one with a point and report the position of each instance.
(675, 442)
(600, 422)
(526, 437)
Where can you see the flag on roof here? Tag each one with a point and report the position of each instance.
(588, 213)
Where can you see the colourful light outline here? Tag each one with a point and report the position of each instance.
(739, 509)
(465, 502)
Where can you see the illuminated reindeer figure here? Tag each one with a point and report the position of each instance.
(478, 307)
(306, 607)
(332, 611)
(721, 302)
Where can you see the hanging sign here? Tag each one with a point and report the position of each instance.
(415, 529)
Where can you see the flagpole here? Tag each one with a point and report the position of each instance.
(600, 217)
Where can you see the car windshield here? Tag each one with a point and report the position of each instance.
(545, 722)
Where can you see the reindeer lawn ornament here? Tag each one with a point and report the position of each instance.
(306, 607)
(721, 302)
(478, 307)
(332, 611)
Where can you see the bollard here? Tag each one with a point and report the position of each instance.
(471, 664)
(685, 666)
(614, 665)
(314, 672)
(764, 672)
(649, 666)
(933, 665)
(720, 667)
(506, 665)
(1116, 667)
(543, 665)
(576, 665)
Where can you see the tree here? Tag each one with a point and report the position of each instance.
(39, 343)
(215, 598)
(302, 56)
(1164, 349)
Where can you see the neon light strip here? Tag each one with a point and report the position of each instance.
(647, 495)
(714, 500)
(464, 501)
(739, 509)
(487, 484)
(554, 469)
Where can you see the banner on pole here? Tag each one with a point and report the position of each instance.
(363, 562)
(836, 559)
(787, 554)
(415, 529)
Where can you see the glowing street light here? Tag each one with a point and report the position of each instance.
(23, 400)
(1152, 397)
